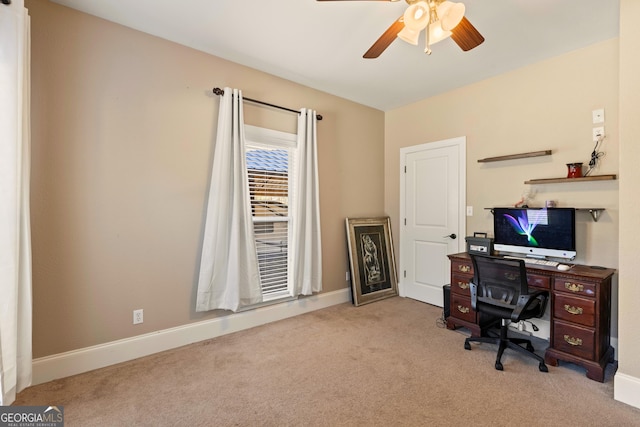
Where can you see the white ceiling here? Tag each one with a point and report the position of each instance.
(320, 44)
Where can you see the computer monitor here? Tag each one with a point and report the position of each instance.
(535, 232)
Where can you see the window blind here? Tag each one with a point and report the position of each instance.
(268, 176)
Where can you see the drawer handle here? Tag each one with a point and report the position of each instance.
(464, 268)
(573, 287)
(572, 340)
(462, 309)
(573, 310)
(463, 285)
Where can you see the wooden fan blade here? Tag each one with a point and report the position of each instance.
(385, 39)
(466, 36)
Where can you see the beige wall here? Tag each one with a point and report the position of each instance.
(629, 319)
(123, 132)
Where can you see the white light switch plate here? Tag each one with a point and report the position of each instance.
(598, 116)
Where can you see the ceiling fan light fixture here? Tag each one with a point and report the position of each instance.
(450, 14)
(408, 35)
(437, 33)
(439, 18)
(416, 16)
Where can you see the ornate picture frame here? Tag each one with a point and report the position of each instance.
(371, 259)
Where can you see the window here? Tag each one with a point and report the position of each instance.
(270, 171)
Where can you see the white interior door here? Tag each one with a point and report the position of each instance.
(432, 199)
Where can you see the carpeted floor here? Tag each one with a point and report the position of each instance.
(387, 363)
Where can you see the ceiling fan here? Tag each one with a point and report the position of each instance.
(439, 18)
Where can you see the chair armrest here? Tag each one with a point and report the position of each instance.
(524, 301)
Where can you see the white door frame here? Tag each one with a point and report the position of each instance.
(461, 143)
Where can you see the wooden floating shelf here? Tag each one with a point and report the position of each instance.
(581, 179)
(516, 156)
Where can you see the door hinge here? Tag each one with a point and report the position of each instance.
(405, 169)
(405, 221)
(405, 274)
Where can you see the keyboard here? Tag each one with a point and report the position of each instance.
(535, 261)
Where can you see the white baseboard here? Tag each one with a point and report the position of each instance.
(86, 359)
(626, 389)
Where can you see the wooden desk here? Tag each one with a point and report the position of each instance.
(580, 311)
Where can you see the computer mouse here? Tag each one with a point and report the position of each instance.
(563, 267)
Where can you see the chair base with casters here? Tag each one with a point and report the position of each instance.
(504, 342)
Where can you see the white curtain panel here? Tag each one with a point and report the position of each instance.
(15, 238)
(307, 256)
(229, 277)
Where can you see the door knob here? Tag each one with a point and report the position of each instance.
(452, 236)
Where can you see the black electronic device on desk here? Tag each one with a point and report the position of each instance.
(479, 244)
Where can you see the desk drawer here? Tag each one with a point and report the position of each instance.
(462, 266)
(460, 284)
(461, 308)
(575, 309)
(574, 339)
(537, 281)
(576, 287)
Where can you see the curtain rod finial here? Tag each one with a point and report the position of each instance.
(218, 91)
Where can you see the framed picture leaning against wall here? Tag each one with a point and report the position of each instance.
(371, 259)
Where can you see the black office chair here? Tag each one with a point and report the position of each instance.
(499, 288)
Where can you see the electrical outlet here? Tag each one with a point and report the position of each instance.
(598, 132)
(138, 316)
(469, 210)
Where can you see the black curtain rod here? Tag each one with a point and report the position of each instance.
(219, 91)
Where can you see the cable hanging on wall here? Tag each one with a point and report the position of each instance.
(595, 156)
